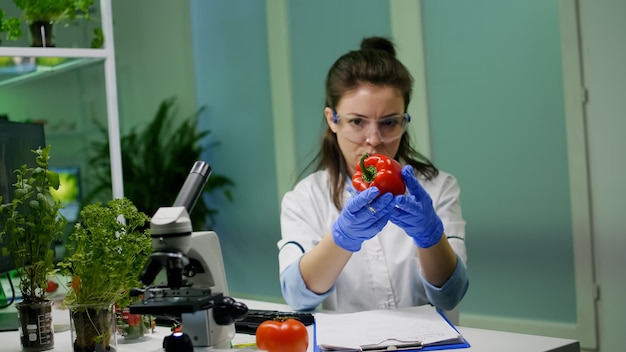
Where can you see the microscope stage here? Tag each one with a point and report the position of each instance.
(174, 305)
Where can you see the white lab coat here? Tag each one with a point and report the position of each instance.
(385, 273)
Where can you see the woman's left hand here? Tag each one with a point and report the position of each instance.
(415, 213)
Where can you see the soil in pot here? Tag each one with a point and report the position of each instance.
(36, 331)
(41, 34)
(93, 328)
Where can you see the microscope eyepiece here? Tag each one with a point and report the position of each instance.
(193, 186)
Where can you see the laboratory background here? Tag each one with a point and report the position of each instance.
(523, 101)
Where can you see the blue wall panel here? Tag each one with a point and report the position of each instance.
(232, 81)
(498, 124)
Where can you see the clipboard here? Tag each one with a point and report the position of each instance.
(394, 344)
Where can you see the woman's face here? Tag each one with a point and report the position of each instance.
(371, 103)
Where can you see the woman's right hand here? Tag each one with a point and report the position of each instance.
(363, 217)
(415, 213)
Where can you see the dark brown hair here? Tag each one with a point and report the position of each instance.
(374, 63)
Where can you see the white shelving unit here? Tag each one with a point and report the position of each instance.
(46, 71)
(80, 58)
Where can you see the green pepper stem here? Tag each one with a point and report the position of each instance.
(367, 173)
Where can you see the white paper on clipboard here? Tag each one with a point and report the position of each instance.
(350, 331)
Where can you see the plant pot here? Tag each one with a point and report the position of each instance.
(93, 327)
(41, 33)
(36, 331)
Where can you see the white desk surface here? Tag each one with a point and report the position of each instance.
(479, 339)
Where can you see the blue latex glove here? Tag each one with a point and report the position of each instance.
(362, 218)
(415, 214)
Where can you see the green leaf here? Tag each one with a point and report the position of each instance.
(53, 179)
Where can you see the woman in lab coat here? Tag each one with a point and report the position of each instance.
(352, 251)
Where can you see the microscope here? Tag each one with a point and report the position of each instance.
(196, 289)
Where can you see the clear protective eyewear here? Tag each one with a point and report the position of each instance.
(359, 129)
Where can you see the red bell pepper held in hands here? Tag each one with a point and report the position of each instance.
(380, 171)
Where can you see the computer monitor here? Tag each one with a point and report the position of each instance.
(17, 140)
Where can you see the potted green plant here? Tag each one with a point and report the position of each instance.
(156, 161)
(32, 221)
(107, 251)
(42, 15)
(10, 26)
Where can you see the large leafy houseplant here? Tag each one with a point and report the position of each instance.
(108, 249)
(156, 161)
(31, 222)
